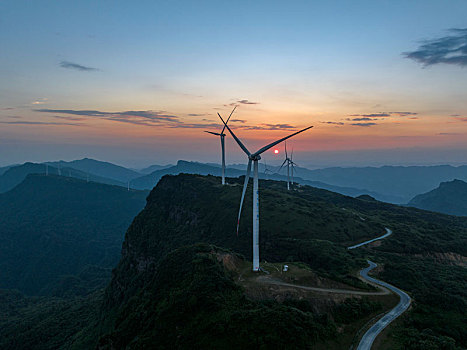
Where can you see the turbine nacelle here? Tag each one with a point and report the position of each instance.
(254, 157)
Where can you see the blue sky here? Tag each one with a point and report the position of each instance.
(291, 63)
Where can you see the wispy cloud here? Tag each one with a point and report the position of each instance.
(269, 127)
(362, 119)
(403, 114)
(69, 118)
(372, 115)
(148, 118)
(76, 66)
(247, 102)
(462, 119)
(450, 49)
(333, 123)
(153, 118)
(449, 133)
(364, 124)
(25, 122)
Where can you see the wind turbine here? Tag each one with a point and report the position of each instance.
(287, 161)
(292, 164)
(254, 157)
(222, 136)
(266, 169)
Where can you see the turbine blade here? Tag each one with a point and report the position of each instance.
(214, 133)
(242, 146)
(228, 119)
(265, 148)
(286, 156)
(281, 166)
(245, 185)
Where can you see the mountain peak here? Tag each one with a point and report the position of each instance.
(449, 197)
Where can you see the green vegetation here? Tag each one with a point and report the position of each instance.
(308, 225)
(47, 323)
(62, 235)
(171, 291)
(192, 302)
(439, 291)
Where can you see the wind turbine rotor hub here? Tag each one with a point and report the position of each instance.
(252, 157)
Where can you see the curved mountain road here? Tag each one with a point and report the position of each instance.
(388, 233)
(369, 337)
(385, 288)
(268, 280)
(404, 301)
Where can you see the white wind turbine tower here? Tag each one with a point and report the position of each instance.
(222, 136)
(254, 157)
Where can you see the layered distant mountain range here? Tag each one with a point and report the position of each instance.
(392, 184)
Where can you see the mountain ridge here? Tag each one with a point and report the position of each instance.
(449, 198)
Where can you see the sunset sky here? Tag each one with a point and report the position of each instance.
(137, 82)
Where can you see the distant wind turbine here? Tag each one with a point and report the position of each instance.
(266, 169)
(286, 162)
(292, 165)
(222, 136)
(254, 157)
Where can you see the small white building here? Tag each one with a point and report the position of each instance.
(286, 268)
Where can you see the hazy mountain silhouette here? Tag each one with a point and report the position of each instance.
(100, 168)
(52, 226)
(449, 198)
(150, 180)
(399, 182)
(16, 174)
(155, 167)
(5, 168)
